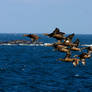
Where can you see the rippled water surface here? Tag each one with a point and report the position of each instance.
(35, 69)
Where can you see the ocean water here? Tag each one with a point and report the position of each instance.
(35, 69)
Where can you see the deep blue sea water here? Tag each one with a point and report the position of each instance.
(35, 69)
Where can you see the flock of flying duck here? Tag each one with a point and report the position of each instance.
(65, 45)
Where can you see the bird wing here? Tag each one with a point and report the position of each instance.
(76, 42)
(70, 37)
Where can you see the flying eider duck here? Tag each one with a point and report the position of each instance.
(57, 35)
(74, 45)
(59, 45)
(89, 49)
(61, 48)
(83, 56)
(68, 58)
(33, 37)
(68, 40)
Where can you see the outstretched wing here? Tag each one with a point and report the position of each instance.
(77, 42)
(70, 37)
(57, 30)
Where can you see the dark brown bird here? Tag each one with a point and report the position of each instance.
(70, 37)
(68, 40)
(59, 45)
(57, 35)
(68, 58)
(83, 56)
(74, 45)
(89, 49)
(61, 48)
(33, 37)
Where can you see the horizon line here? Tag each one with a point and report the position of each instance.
(42, 33)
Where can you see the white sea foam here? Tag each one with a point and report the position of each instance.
(86, 45)
(76, 75)
(42, 44)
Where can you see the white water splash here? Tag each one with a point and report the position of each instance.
(86, 45)
(42, 44)
(76, 75)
